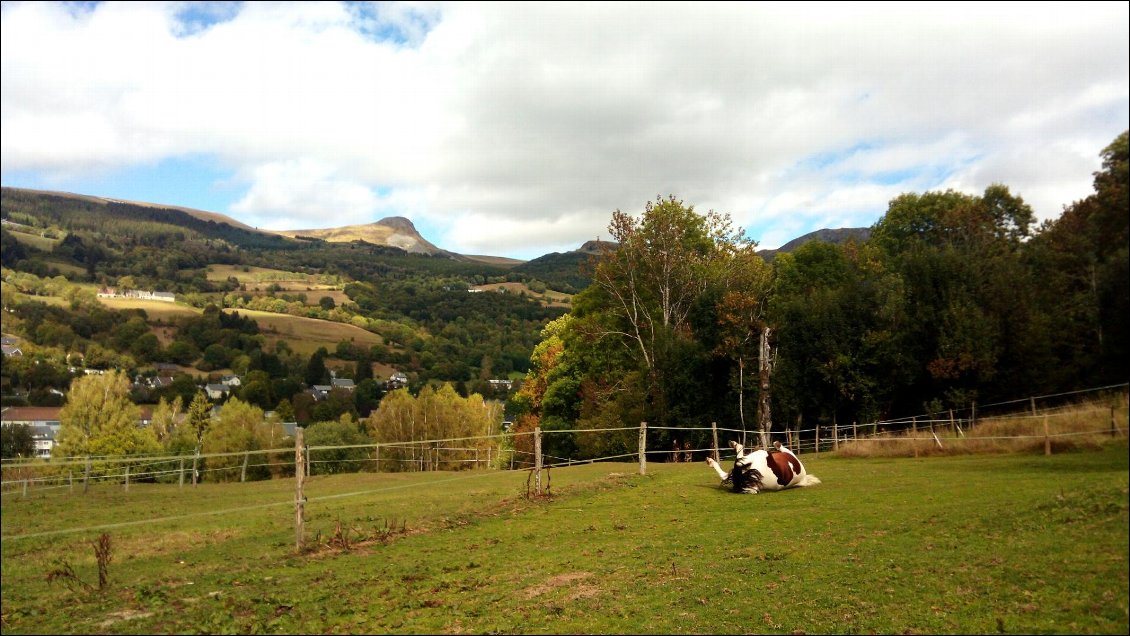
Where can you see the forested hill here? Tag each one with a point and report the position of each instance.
(137, 222)
(835, 237)
(418, 309)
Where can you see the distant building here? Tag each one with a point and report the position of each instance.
(396, 381)
(110, 292)
(42, 421)
(343, 383)
(217, 391)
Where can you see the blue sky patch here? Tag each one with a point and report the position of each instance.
(373, 20)
(197, 17)
(191, 182)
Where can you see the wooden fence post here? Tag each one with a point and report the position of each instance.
(127, 478)
(818, 438)
(299, 477)
(537, 461)
(714, 431)
(195, 473)
(1112, 426)
(71, 479)
(1032, 400)
(86, 476)
(914, 435)
(180, 481)
(378, 458)
(835, 436)
(973, 415)
(25, 487)
(643, 448)
(1047, 438)
(243, 473)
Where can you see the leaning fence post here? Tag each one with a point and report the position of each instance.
(643, 447)
(537, 461)
(243, 473)
(714, 431)
(299, 498)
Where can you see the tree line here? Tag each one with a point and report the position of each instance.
(954, 299)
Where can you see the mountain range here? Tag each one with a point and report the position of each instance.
(400, 233)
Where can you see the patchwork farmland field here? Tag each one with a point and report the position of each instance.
(970, 544)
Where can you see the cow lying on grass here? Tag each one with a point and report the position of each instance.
(757, 470)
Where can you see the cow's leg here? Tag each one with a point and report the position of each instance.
(723, 475)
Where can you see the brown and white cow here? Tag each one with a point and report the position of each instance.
(757, 470)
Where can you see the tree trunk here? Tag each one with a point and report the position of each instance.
(765, 368)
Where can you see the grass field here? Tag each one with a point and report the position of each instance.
(36, 241)
(218, 272)
(155, 309)
(549, 298)
(306, 335)
(1018, 543)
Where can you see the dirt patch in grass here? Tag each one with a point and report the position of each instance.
(124, 615)
(563, 580)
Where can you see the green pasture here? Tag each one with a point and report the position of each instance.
(970, 544)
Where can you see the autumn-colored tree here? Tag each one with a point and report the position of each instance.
(436, 414)
(240, 427)
(100, 419)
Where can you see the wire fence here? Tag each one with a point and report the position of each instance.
(476, 457)
(507, 451)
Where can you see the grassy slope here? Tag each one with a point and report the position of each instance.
(550, 298)
(974, 544)
(305, 335)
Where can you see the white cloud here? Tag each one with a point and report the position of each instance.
(517, 128)
(304, 194)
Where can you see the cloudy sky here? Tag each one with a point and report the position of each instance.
(515, 129)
